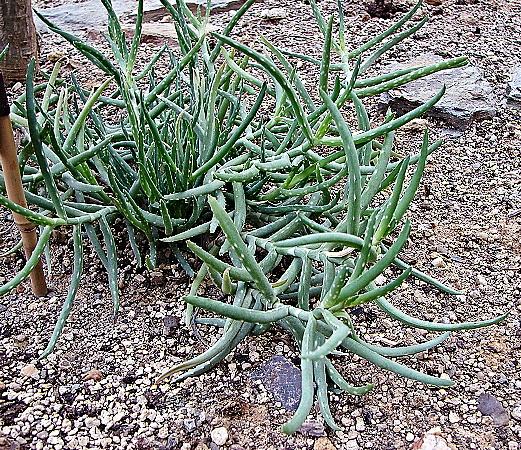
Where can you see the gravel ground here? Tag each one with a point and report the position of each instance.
(97, 389)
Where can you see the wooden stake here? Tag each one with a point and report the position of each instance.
(15, 192)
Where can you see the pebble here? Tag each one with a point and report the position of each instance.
(273, 14)
(219, 435)
(516, 413)
(352, 445)
(453, 417)
(55, 56)
(282, 379)
(189, 424)
(431, 440)
(514, 87)
(488, 405)
(380, 280)
(91, 422)
(30, 371)
(93, 374)
(170, 325)
(359, 425)
(323, 443)
(163, 433)
(438, 262)
(482, 281)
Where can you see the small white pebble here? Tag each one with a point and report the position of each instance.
(219, 435)
(438, 262)
(360, 425)
(453, 417)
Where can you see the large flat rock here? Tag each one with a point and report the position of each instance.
(91, 16)
(469, 96)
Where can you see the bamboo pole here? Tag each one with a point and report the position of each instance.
(15, 192)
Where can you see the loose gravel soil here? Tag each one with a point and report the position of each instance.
(97, 389)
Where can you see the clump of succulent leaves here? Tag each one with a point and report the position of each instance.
(141, 147)
(305, 210)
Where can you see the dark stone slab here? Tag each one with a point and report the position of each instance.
(469, 96)
(489, 405)
(282, 378)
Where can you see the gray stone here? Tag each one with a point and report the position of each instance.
(313, 428)
(190, 425)
(489, 405)
(469, 96)
(170, 325)
(92, 16)
(514, 88)
(280, 377)
(273, 14)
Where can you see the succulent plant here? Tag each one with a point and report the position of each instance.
(139, 147)
(304, 211)
(309, 231)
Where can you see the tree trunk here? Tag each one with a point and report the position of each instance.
(17, 29)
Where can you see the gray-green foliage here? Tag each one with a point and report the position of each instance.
(319, 230)
(141, 147)
(300, 237)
